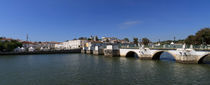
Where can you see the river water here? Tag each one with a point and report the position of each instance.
(82, 69)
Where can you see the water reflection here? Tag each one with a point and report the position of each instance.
(81, 69)
(165, 56)
(206, 59)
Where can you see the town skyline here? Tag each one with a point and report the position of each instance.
(27, 38)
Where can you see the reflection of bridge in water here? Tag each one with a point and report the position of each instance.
(183, 54)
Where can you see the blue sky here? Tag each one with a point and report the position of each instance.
(60, 20)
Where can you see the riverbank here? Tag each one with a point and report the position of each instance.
(42, 52)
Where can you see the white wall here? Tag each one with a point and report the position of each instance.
(71, 44)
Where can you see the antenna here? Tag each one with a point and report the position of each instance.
(174, 38)
(27, 37)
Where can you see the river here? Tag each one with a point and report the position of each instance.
(83, 69)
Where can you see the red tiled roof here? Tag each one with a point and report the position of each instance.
(28, 42)
(6, 39)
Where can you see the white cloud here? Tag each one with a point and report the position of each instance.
(129, 24)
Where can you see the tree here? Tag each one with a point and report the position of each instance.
(107, 40)
(181, 41)
(126, 39)
(1, 46)
(9, 45)
(96, 38)
(190, 39)
(145, 41)
(82, 38)
(135, 41)
(201, 37)
(89, 39)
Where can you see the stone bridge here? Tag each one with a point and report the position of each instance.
(180, 55)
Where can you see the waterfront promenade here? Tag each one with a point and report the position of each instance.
(43, 52)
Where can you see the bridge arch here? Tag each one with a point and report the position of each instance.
(156, 55)
(132, 54)
(200, 61)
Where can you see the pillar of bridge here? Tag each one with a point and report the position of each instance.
(185, 55)
(187, 59)
(181, 55)
(83, 50)
(89, 50)
(145, 54)
(98, 50)
(112, 51)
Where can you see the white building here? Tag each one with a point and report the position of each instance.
(20, 49)
(59, 46)
(110, 39)
(71, 44)
(31, 49)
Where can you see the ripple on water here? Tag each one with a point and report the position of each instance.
(81, 69)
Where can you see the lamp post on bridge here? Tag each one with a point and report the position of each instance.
(174, 42)
(203, 43)
(140, 43)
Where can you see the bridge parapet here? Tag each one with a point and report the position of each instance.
(181, 55)
(169, 47)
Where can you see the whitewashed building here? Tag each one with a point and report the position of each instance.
(20, 49)
(59, 46)
(71, 44)
(31, 49)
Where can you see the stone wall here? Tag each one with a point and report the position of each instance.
(83, 51)
(111, 53)
(89, 51)
(98, 52)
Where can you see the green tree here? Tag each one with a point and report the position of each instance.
(126, 39)
(145, 41)
(190, 39)
(107, 40)
(89, 39)
(7, 46)
(96, 38)
(82, 38)
(180, 41)
(201, 37)
(135, 41)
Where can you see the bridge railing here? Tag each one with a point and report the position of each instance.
(128, 46)
(201, 47)
(168, 46)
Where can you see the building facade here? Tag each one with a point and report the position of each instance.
(71, 44)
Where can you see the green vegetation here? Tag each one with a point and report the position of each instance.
(145, 41)
(201, 37)
(7, 46)
(83, 38)
(126, 39)
(135, 41)
(169, 41)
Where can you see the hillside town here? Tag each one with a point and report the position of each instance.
(29, 46)
(199, 40)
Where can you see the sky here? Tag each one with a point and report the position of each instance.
(61, 20)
